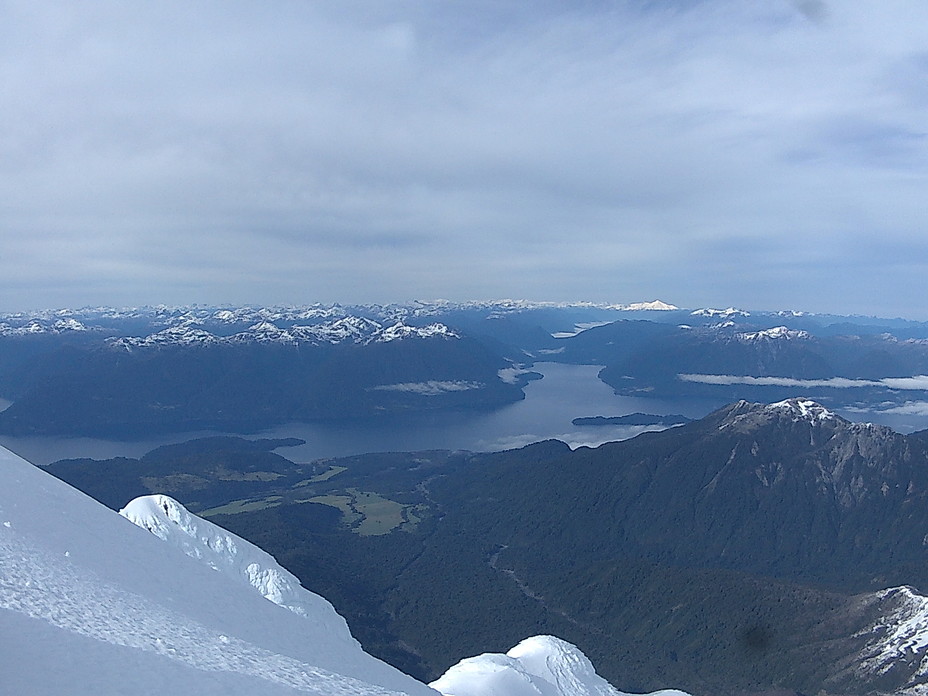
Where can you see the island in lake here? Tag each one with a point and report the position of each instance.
(633, 419)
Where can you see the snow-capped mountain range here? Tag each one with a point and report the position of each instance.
(335, 323)
(776, 333)
(91, 604)
(314, 323)
(352, 329)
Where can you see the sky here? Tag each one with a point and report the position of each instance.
(768, 154)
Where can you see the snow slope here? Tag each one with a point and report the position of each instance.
(90, 604)
(240, 560)
(899, 640)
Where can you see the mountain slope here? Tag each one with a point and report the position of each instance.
(92, 604)
(743, 552)
(787, 490)
(732, 555)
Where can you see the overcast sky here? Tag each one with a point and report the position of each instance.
(767, 154)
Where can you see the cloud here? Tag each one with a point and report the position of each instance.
(431, 387)
(710, 152)
(573, 439)
(813, 10)
(910, 408)
(916, 383)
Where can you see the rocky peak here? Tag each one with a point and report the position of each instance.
(802, 440)
(745, 415)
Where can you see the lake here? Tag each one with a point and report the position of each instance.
(565, 393)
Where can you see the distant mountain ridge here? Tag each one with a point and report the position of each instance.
(185, 378)
(111, 318)
(356, 330)
(150, 370)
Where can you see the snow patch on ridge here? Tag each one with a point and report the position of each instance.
(777, 333)
(747, 415)
(803, 409)
(350, 329)
(652, 306)
(901, 635)
(538, 666)
(727, 313)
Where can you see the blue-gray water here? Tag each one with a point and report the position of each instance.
(565, 393)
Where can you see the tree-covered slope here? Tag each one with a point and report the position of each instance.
(737, 554)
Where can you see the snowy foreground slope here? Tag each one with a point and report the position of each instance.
(92, 604)
(538, 666)
(240, 561)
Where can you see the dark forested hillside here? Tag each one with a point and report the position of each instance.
(736, 554)
(243, 388)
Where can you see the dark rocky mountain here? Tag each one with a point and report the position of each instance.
(786, 490)
(728, 363)
(749, 552)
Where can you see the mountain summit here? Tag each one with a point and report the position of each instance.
(795, 409)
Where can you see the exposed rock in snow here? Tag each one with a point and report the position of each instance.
(175, 335)
(68, 325)
(803, 409)
(264, 332)
(727, 313)
(345, 330)
(350, 329)
(400, 331)
(777, 333)
(896, 651)
(41, 326)
(899, 636)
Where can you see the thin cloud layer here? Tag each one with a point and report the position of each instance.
(709, 152)
(916, 383)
